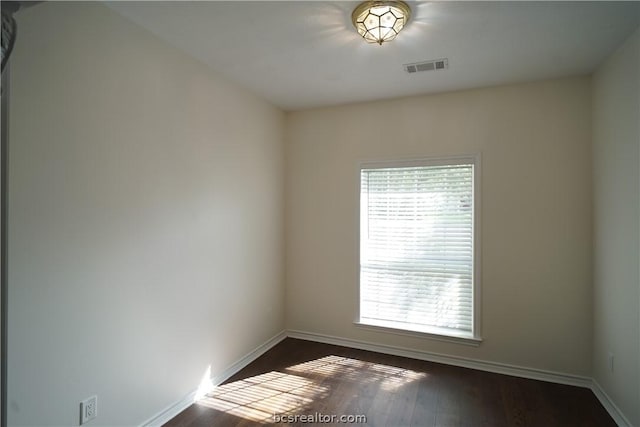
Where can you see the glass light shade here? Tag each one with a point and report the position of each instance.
(380, 21)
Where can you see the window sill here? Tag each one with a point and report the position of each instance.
(464, 340)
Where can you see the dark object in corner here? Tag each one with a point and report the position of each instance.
(9, 29)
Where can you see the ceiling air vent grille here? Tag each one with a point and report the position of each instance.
(433, 65)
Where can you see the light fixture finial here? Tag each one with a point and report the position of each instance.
(380, 21)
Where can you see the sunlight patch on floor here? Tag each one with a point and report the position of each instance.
(259, 397)
(389, 377)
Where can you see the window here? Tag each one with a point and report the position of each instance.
(417, 246)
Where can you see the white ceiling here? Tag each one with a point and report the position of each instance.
(303, 54)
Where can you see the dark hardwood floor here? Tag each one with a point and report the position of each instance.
(299, 377)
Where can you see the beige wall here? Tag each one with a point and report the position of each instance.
(146, 199)
(536, 214)
(616, 177)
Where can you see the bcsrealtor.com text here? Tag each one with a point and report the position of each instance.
(319, 418)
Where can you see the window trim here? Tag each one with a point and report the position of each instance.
(476, 337)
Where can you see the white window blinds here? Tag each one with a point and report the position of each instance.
(416, 248)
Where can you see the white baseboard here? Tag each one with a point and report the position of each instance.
(248, 358)
(170, 412)
(499, 368)
(608, 404)
(167, 414)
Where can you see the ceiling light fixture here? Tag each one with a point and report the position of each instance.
(380, 21)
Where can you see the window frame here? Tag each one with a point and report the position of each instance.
(474, 159)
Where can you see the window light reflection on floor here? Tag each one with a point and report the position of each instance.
(259, 397)
(389, 377)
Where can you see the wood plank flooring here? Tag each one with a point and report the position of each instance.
(315, 380)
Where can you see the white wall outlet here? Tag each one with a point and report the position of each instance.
(610, 362)
(88, 409)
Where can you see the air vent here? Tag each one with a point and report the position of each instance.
(436, 64)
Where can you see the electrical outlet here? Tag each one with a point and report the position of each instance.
(611, 362)
(88, 409)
